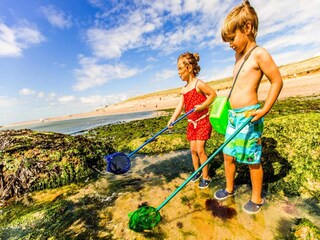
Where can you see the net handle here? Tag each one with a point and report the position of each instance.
(205, 163)
(160, 132)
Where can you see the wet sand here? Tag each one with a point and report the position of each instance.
(193, 213)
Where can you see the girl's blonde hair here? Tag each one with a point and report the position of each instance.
(191, 58)
(238, 18)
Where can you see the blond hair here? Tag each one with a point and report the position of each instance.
(238, 18)
(191, 58)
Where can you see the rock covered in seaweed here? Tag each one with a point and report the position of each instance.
(31, 160)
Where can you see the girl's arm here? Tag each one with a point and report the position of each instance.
(176, 112)
(209, 92)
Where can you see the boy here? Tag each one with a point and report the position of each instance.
(240, 30)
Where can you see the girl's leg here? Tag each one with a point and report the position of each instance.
(194, 155)
(203, 157)
(230, 170)
(256, 175)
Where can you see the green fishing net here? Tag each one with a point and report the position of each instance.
(145, 218)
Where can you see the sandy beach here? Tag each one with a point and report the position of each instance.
(298, 86)
(304, 85)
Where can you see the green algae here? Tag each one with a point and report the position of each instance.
(290, 161)
(304, 229)
(297, 138)
(291, 145)
(58, 218)
(31, 160)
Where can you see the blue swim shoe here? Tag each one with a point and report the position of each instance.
(223, 194)
(253, 208)
(196, 177)
(204, 183)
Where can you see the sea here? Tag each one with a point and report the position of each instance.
(82, 125)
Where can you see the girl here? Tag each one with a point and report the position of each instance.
(195, 94)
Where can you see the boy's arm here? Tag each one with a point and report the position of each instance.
(209, 92)
(270, 69)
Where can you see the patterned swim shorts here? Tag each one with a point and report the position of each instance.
(246, 146)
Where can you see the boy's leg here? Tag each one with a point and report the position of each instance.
(256, 174)
(230, 170)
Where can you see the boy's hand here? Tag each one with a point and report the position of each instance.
(169, 125)
(256, 114)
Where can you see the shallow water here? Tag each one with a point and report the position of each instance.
(194, 214)
(99, 209)
(80, 125)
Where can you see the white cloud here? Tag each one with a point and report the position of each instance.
(14, 40)
(110, 43)
(41, 95)
(164, 75)
(8, 44)
(51, 96)
(6, 102)
(26, 91)
(94, 74)
(56, 17)
(66, 99)
(145, 26)
(98, 100)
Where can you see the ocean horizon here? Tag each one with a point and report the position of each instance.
(81, 125)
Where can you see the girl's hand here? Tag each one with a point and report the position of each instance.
(198, 108)
(169, 125)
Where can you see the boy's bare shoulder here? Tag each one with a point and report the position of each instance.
(261, 52)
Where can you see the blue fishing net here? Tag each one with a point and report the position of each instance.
(118, 163)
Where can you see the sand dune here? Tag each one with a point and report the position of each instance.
(300, 79)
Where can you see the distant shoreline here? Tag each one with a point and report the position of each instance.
(305, 85)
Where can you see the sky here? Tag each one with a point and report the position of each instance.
(61, 57)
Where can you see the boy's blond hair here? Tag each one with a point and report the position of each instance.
(238, 18)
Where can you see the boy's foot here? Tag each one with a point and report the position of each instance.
(223, 194)
(196, 177)
(204, 183)
(253, 208)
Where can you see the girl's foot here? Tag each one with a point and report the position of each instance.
(196, 177)
(204, 183)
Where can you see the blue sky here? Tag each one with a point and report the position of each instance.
(71, 56)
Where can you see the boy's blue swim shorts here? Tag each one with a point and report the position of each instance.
(246, 146)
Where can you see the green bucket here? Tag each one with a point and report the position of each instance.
(219, 114)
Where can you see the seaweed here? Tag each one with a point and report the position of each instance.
(31, 160)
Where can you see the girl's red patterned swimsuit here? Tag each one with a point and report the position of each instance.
(199, 127)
